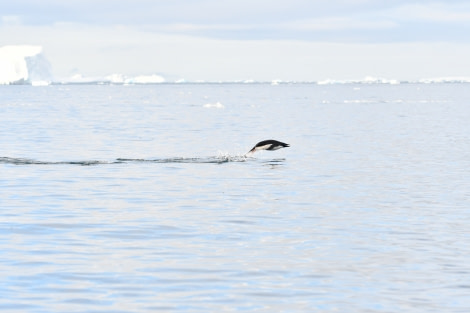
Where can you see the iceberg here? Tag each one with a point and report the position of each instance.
(113, 79)
(445, 80)
(24, 64)
(366, 80)
(146, 79)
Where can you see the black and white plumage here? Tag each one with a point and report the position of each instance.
(269, 145)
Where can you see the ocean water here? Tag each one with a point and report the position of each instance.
(140, 199)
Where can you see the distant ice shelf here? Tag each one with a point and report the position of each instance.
(115, 79)
(24, 64)
(374, 80)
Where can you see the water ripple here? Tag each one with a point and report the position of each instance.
(196, 160)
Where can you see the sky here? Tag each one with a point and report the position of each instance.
(300, 40)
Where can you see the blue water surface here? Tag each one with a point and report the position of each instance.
(140, 199)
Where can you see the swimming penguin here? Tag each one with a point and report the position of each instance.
(269, 145)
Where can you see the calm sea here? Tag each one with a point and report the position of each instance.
(139, 198)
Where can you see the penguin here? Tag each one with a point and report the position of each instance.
(269, 145)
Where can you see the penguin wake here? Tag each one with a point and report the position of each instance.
(269, 145)
(196, 160)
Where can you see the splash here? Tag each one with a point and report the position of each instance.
(219, 159)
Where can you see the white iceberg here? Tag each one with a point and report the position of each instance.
(445, 80)
(366, 80)
(115, 79)
(24, 65)
(145, 79)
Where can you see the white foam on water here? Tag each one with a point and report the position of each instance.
(216, 105)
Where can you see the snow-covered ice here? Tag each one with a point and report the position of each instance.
(24, 64)
(146, 79)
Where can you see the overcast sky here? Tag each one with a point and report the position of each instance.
(246, 39)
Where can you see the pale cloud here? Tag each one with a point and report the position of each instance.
(433, 12)
(334, 20)
(8, 20)
(338, 23)
(320, 24)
